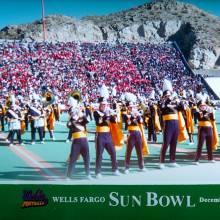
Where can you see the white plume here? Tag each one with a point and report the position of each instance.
(56, 99)
(114, 92)
(104, 92)
(152, 95)
(191, 92)
(122, 97)
(36, 96)
(206, 96)
(184, 93)
(201, 97)
(167, 85)
(160, 92)
(142, 99)
(174, 95)
(12, 99)
(130, 97)
(20, 97)
(72, 102)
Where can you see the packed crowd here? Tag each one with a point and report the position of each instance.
(62, 67)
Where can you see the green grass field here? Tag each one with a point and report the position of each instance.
(48, 161)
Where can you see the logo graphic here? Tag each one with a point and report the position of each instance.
(31, 199)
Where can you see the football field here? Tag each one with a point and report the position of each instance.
(46, 163)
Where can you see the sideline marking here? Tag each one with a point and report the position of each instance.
(33, 161)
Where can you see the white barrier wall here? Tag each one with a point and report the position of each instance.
(214, 83)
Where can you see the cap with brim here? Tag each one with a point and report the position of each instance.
(201, 103)
(166, 93)
(131, 104)
(102, 100)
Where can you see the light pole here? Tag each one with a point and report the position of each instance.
(43, 20)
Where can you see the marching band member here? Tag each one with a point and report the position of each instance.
(2, 116)
(50, 121)
(23, 112)
(169, 110)
(26, 117)
(14, 119)
(159, 104)
(69, 138)
(152, 135)
(37, 121)
(88, 109)
(56, 108)
(187, 116)
(70, 109)
(80, 145)
(48, 100)
(192, 105)
(123, 114)
(206, 131)
(189, 123)
(153, 119)
(103, 136)
(133, 119)
(116, 128)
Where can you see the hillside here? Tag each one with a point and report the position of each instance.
(196, 31)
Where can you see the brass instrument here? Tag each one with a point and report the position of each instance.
(76, 95)
(49, 98)
(8, 102)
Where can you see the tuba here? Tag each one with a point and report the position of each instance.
(76, 95)
(49, 98)
(10, 100)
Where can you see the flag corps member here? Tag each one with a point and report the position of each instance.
(169, 110)
(80, 146)
(104, 140)
(206, 131)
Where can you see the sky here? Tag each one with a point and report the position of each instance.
(25, 11)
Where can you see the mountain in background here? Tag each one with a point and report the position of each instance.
(196, 32)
